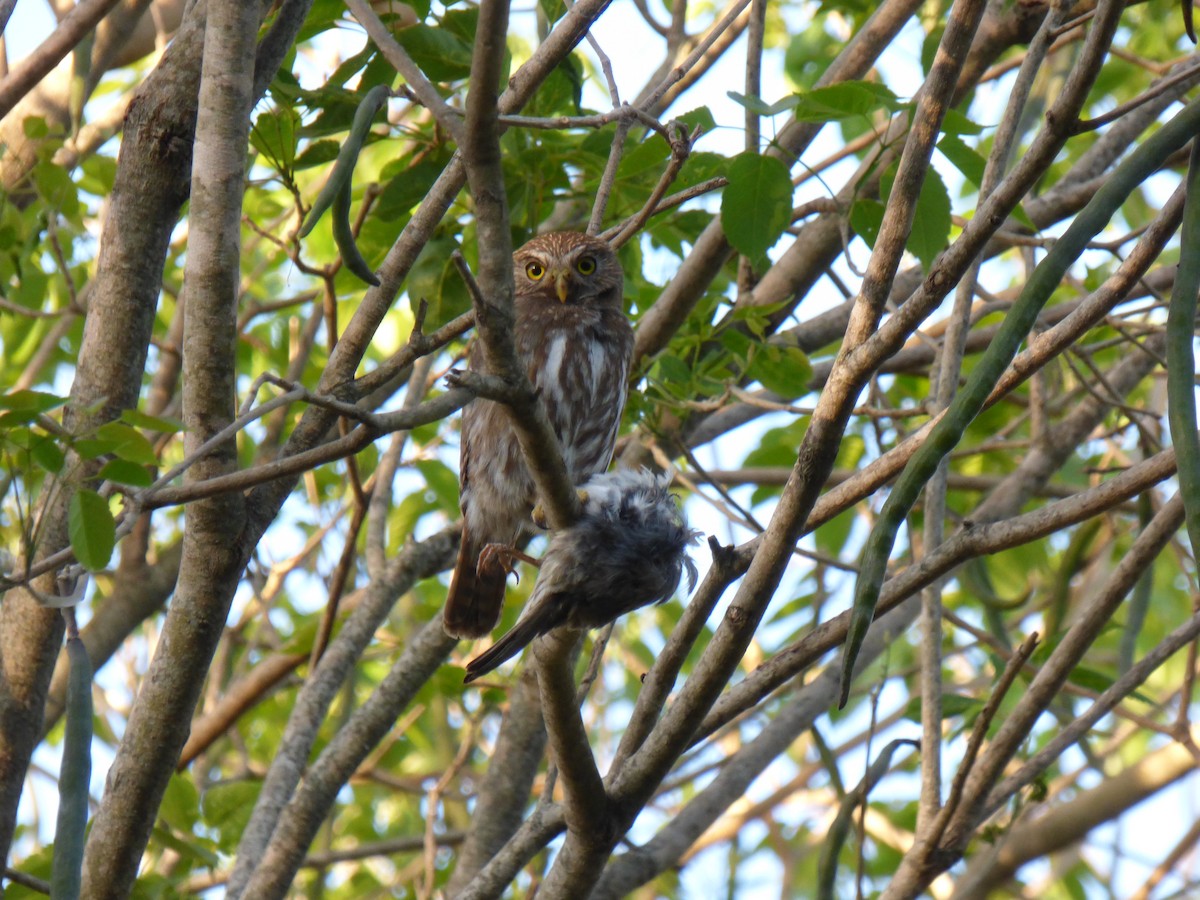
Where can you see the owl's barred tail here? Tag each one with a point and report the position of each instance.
(537, 621)
(476, 598)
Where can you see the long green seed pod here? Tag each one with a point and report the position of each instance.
(343, 236)
(336, 193)
(67, 866)
(1130, 174)
(1181, 359)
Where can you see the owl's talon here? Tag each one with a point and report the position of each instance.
(495, 558)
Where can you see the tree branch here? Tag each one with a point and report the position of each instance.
(586, 803)
(212, 565)
(273, 873)
(415, 561)
(504, 792)
(22, 78)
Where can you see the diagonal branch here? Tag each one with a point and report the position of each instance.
(403, 63)
(274, 872)
(417, 560)
(33, 68)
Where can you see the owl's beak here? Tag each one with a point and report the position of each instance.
(560, 285)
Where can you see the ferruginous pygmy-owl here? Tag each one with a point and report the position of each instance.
(573, 336)
(628, 549)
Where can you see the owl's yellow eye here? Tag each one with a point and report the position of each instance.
(535, 271)
(586, 265)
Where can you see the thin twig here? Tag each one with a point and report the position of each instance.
(622, 113)
(609, 177)
(1159, 87)
(419, 345)
(677, 199)
(681, 146)
(433, 799)
(21, 79)
(1012, 668)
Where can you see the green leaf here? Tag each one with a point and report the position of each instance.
(180, 807)
(90, 448)
(439, 53)
(462, 22)
(122, 471)
(274, 136)
(163, 424)
(1099, 682)
(195, 850)
(931, 219)
(929, 47)
(99, 173)
(777, 447)
(47, 455)
(931, 224)
(1091, 679)
(783, 370)
(226, 808)
(127, 443)
(866, 216)
(91, 528)
(55, 186)
(559, 94)
(756, 207)
(957, 123)
(809, 53)
(964, 158)
(1023, 217)
(35, 128)
(843, 101)
(756, 318)
(442, 480)
(318, 153)
(701, 116)
(672, 368)
(740, 346)
(349, 67)
(407, 188)
(25, 406)
(760, 106)
(434, 279)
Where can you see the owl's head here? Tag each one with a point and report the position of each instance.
(570, 268)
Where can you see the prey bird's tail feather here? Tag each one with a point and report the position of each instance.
(537, 621)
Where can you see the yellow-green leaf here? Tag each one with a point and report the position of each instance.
(91, 528)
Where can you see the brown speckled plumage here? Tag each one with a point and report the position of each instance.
(572, 332)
